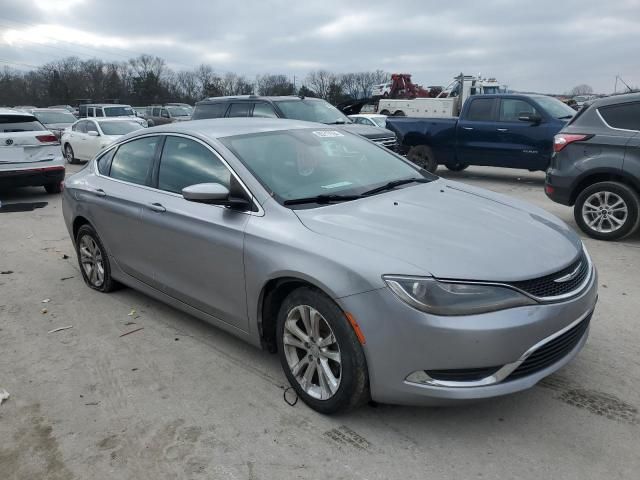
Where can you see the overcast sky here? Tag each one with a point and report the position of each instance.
(543, 45)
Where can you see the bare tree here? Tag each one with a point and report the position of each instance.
(274, 85)
(320, 82)
(582, 89)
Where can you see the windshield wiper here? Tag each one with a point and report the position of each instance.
(566, 116)
(395, 183)
(322, 199)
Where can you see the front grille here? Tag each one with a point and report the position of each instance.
(548, 286)
(389, 142)
(462, 374)
(551, 352)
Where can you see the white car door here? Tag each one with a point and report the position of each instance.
(77, 139)
(92, 143)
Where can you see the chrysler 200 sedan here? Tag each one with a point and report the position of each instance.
(371, 278)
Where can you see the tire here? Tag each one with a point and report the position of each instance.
(399, 113)
(347, 386)
(457, 167)
(53, 187)
(596, 216)
(385, 112)
(88, 239)
(69, 155)
(423, 157)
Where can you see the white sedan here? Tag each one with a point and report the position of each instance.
(371, 119)
(87, 137)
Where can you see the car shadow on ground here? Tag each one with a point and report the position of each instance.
(500, 175)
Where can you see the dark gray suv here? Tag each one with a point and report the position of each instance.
(295, 108)
(596, 167)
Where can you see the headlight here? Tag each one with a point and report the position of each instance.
(444, 298)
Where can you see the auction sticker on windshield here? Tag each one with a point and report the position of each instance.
(327, 133)
(337, 185)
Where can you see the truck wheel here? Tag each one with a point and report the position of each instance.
(607, 210)
(456, 167)
(423, 157)
(399, 113)
(385, 112)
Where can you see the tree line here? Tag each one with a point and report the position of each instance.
(147, 79)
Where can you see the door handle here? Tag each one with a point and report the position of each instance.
(156, 207)
(98, 192)
(503, 129)
(467, 128)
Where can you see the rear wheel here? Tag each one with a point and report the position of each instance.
(607, 210)
(385, 112)
(93, 260)
(320, 353)
(456, 167)
(68, 154)
(422, 156)
(53, 187)
(399, 113)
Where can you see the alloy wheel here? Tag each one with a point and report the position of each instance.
(92, 261)
(68, 153)
(312, 352)
(604, 212)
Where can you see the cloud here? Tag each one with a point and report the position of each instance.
(547, 46)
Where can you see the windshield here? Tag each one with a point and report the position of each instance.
(55, 117)
(555, 107)
(118, 112)
(178, 111)
(305, 163)
(312, 111)
(380, 121)
(119, 128)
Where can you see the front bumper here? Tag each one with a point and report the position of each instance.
(401, 341)
(32, 175)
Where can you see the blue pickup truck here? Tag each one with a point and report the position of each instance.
(503, 130)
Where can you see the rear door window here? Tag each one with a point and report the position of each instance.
(481, 109)
(239, 110)
(625, 116)
(263, 109)
(210, 110)
(185, 162)
(155, 112)
(134, 160)
(18, 123)
(99, 112)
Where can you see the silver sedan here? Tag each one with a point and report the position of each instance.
(371, 278)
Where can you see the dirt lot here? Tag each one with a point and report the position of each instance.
(181, 399)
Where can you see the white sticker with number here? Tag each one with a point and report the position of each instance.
(327, 133)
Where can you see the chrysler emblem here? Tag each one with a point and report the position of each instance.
(9, 141)
(568, 276)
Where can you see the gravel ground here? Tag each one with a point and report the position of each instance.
(181, 399)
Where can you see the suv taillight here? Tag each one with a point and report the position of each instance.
(561, 140)
(49, 138)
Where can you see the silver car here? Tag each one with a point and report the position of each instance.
(371, 278)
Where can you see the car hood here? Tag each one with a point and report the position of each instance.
(450, 230)
(366, 131)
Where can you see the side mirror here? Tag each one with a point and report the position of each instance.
(530, 117)
(206, 193)
(93, 133)
(216, 194)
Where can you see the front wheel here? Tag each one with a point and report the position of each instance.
(68, 154)
(320, 353)
(607, 210)
(456, 167)
(423, 157)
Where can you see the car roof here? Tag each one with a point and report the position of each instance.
(253, 97)
(214, 128)
(105, 105)
(616, 99)
(108, 119)
(52, 109)
(12, 111)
